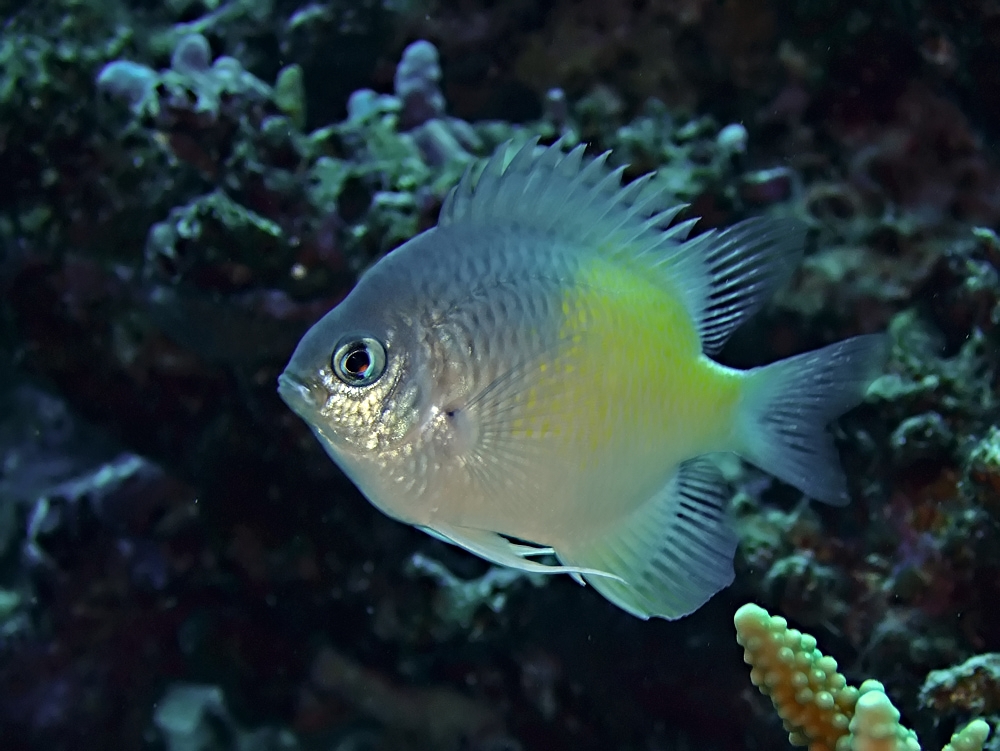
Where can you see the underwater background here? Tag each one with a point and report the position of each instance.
(187, 185)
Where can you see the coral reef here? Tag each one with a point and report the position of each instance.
(817, 707)
(188, 185)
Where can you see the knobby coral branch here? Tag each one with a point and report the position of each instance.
(817, 707)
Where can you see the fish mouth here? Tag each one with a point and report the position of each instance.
(297, 395)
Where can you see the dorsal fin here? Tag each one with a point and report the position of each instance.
(722, 276)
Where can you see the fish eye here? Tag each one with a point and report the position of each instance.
(358, 360)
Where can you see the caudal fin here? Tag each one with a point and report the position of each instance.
(788, 404)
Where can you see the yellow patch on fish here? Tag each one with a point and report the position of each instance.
(628, 369)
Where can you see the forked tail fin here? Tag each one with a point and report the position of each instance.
(788, 404)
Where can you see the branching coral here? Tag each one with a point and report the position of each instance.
(817, 707)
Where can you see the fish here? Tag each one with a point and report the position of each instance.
(532, 379)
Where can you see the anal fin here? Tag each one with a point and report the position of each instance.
(670, 555)
(499, 550)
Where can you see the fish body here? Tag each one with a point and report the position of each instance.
(532, 377)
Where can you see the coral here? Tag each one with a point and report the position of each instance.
(86, 507)
(811, 697)
(875, 725)
(233, 19)
(217, 226)
(417, 84)
(983, 471)
(48, 148)
(184, 716)
(192, 717)
(970, 688)
(133, 82)
(970, 738)
(921, 438)
(290, 94)
(817, 707)
(458, 600)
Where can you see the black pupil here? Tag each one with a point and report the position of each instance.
(357, 362)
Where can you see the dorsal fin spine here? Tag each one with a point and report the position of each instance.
(596, 193)
(572, 160)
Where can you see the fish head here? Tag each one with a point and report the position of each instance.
(359, 379)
